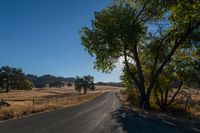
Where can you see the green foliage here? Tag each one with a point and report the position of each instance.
(13, 78)
(112, 28)
(85, 83)
(154, 37)
(88, 82)
(186, 65)
(24, 84)
(126, 79)
(78, 83)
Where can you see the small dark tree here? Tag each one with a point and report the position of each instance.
(88, 83)
(85, 83)
(28, 85)
(69, 84)
(78, 84)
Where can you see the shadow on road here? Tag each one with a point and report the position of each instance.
(131, 122)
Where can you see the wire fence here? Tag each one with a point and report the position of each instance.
(52, 99)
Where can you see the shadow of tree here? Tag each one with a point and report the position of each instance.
(132, 122)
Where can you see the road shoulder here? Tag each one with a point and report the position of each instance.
(127, 112)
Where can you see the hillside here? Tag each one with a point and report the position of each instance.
(45, 80)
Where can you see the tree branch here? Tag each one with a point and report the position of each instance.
(128, 69)
(187, 32)
(175, 94)
(139, 69)
(140, 12)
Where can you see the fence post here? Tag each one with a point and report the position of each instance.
(69, 99)
(33, 102)
(48, 99)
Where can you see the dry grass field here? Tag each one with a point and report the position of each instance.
(30, 94)
(185, 105)
(38, 100)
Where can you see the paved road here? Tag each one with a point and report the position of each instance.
(102, 115)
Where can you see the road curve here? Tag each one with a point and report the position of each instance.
(102, 115)
(92, 116)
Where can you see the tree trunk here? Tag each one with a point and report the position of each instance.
(85, 90)
(175, 94)
(144, 103)
(158, 101)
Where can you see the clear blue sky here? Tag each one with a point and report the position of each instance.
(42, 37)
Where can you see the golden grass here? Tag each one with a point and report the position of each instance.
(193, 107)
(30, 94)
(18, 109)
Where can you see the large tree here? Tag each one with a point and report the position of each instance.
(13, 78)
(146, 34)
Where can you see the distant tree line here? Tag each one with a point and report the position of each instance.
(116, 84)
(13, 79)
(57, 84)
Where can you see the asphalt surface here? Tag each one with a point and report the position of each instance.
(102, 115)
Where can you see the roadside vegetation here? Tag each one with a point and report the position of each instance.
(159, 44)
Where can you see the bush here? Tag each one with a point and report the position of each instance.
(69, 84)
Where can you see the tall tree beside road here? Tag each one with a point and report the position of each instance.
(147, 34)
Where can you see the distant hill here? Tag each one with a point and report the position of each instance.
(45, 80)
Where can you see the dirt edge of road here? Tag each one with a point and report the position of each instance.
(182, 123)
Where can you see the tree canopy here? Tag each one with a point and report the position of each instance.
(13, 78)
(156, 39)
